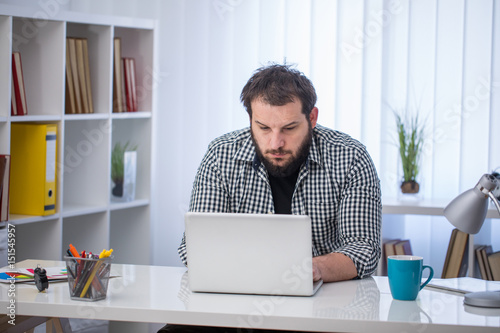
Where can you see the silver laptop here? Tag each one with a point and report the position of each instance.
(250, 254)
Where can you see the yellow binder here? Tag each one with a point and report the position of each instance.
(33, 169)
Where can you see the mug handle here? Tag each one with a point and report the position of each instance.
(431, 274)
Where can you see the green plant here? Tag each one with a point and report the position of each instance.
(411, 141)
(117, 161)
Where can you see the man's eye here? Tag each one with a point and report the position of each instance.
(289, 128)
(263, 128)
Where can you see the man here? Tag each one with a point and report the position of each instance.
(285, 163)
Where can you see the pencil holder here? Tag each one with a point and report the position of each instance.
(88, 278)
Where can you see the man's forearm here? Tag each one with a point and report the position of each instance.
(334, 267)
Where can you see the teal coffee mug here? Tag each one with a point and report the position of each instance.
(405, 276)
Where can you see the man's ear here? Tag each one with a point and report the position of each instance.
(313, 117)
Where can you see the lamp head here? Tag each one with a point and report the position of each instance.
(468, 211)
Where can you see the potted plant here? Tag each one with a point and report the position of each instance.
(411, 141)
(117, 166)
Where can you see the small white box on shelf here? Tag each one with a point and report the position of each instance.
(129, 175)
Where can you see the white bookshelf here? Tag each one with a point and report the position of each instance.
(86, 215)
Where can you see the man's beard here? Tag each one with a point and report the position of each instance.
(293, 165)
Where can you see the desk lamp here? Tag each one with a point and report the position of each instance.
(467, 213)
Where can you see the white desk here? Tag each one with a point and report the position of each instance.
(155, 294)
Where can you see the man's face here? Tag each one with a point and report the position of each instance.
(282, 135)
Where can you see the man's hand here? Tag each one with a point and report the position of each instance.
(333, 267)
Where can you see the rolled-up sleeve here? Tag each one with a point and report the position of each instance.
(359, 215)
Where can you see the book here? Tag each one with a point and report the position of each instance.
(130, 84)
(464, 285)
(27, 274)
(494, 261)
(33, 169)
(70, 99)
(80, 61)
(133, 84)
(74, 74)
(13, 104)
(118, 93)
(485, 252)
(4, 187)
(86, 66)
(19, 87)
(403, 247)
(448, 252)
(387, 250)
(480, 261)
(457, 264)
(128, 87)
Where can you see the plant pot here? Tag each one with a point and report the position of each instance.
(410, 187)
(118, 189)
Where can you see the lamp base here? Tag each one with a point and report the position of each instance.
(485, 299)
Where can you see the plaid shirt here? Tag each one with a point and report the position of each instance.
(337, 187)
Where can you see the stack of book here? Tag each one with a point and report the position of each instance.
(124, 82)
(394, 247)
(19, 106)
(456, 261)
(78, 85)
(488, 262)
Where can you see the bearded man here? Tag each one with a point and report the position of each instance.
(286, 163)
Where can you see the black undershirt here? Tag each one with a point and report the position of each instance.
(282, 189)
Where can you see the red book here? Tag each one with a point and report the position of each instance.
(4, 187)
(19, 88)
(13, 104)
(130, 89)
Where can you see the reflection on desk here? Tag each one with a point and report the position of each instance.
(356, 299)
(154, 294)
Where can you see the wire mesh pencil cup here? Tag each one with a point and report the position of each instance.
(88, 278)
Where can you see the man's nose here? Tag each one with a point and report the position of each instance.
(277, 140)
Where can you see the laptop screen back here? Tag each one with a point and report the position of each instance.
(249, 253)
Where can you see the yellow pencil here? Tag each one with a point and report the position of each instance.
(91, 277)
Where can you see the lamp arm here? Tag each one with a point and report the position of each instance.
(495, 201)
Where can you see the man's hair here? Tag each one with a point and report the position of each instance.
(278, 85)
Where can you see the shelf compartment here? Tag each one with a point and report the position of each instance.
(126, 225)
(100, 53)
(86, 163)
(42, 47)
(86, 232)
(136, 132)
(137, 44)
(45, 245)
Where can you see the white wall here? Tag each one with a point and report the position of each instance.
(364, 57)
